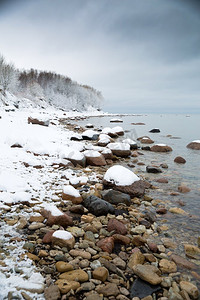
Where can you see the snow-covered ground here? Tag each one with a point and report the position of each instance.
(29, 171)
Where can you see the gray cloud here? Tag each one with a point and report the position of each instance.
(143, 55)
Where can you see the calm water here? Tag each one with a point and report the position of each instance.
(183, 129)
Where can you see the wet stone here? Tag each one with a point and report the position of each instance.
(142, 289)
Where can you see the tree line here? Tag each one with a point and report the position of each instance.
(56, 89)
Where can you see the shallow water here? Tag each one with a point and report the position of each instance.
(182, 130)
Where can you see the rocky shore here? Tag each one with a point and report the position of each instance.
(91, 229)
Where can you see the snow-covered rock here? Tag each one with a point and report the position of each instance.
(54, 216)
(118, 130)
(63, 238)
(120, 149)
(70, 193)
(94, 158)
(90, 135)
(132, 143)
(195, 145)
(120, 175)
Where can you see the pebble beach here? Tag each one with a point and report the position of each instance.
(87, 212)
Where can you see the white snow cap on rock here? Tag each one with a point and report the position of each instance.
(72, 153)
(89, 133)
(120, 175)
(118, 146)
(62, 234)
(196, 141)
(108, 130)
(161, 145)
(129, 141)
(53, 209)
(92, 153)
(70, 190)
(117, 129)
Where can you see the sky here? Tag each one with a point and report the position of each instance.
(143, 55)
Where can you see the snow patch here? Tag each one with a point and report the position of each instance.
(120, 176)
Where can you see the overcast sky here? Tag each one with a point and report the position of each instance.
(143, 55)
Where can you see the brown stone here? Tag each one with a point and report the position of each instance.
(121, 239)
(145, 140)
(69, 244)
(96, 161)
(106, 244)
(37, 121)
(47, 239)
(192, 251)
(136, 258)
(63, 220)
(162, 180)
(65, 285)
(180, 160)
(116, 226)
(100, 273)
(183, 189)
(190, 288)
(182, 262)
(108, 290)
(160, 148)
(138, 241)
(52, 292)
(167, 266)
(75, 200)
(62, 266)
(148, 273)
(194, 146)
(137, 189)
(75, 275)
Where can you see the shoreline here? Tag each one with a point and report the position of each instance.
(140, 248)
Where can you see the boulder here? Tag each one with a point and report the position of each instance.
(120, 149)
(195, 145)
(161, 148)
(70, 193)
(179, 160)
(142, 289)
(75, 156)
(183, 262)
(116, 197)
(90, 135)
(118, 130)
(154, 130)
(167, 266)
(145, 140)
(132, 143)
(97, 206)
(94, 158)
(122, 179)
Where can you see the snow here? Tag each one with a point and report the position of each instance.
(11, 182)
(106, 151)
(53, 209)
(70, 190)
(116, 120)
(89, 133)
(71, 153)
(118, 146)
(108, 130)
(120, 175)
(129, 141)
(62, 234)
(161, 145)
(117, 129)
(92, 153)
(196, 141)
